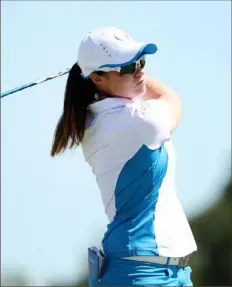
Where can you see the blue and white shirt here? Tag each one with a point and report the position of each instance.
(127, 144)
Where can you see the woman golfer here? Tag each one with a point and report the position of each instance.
(123, 121)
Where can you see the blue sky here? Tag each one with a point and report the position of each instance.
(51, 208)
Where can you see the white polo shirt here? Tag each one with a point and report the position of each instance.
(127, 144)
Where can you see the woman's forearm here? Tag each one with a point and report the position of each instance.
(159, 91)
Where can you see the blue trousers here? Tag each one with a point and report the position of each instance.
(122, 272)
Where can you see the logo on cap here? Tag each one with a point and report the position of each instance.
(122, 36)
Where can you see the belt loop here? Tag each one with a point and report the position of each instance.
(168, 260)
(183, 261)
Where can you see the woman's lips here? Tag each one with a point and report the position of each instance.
(140, 82)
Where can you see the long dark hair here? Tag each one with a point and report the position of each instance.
(79, 93)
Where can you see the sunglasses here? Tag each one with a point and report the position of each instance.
(131, 68)
(128, 69)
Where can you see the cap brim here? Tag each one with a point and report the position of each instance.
(138, 50)
(133, 53)
(148, 49)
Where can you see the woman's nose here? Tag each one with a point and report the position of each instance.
(139, 72)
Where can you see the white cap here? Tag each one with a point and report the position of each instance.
(109, 47)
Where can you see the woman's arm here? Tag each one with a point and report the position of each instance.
(158, 91)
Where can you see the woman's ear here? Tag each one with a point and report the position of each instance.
(97, 79)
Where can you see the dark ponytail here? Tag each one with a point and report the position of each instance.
(79, 93)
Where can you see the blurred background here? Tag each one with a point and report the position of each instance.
(51, 209)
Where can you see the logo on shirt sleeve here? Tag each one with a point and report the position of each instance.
(140, 108)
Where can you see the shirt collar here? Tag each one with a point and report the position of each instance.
(108, 104)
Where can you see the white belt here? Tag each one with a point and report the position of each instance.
(177, 261)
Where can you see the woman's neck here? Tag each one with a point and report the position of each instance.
(103, 95)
